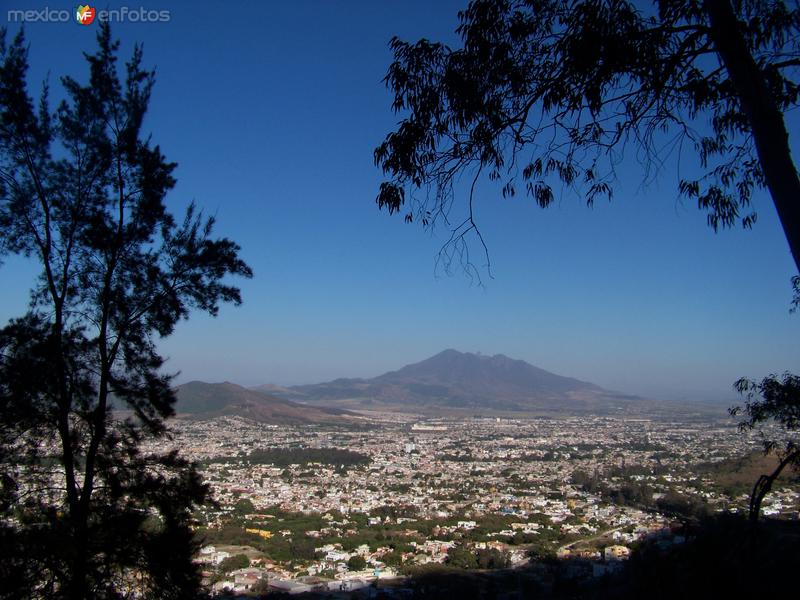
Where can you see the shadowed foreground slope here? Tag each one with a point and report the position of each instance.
(720, 559)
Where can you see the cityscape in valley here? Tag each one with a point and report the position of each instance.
(351, 501)
(465, 299)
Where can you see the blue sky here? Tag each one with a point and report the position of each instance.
(272, 111)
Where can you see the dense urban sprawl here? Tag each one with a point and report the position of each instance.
(305, 508)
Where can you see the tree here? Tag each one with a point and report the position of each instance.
(89, 511)
(261, 587)
(547, 91)
(243, 507)
(356, 563)
(773, 399)
(461, 558)
(233, 563)
(492, 558)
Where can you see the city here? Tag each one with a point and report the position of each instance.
(314, 508)
(469, 299)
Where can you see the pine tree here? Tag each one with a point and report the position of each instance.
(88, 509)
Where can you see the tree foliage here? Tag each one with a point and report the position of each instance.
(243, 507)
(356, 563)
(549, 94)
(492, 558)
(773, 399)
(460, 557)
(232, 563)
(89, 511)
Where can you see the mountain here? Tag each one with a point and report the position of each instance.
(207, 400)
(272, 389)
(461, 380)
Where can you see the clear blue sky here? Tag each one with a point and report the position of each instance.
(272, 111)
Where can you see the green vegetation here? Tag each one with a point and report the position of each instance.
(461, 558)
(243, 507)
(232, 563)
(492, 558)
(772, 400)
(83, 199)
(675, 503)
(396, 510)
(279, 548)
(633, 486)
(542, 96)
(736, 476)
(357, 563)
(290, 541)
(485, 558)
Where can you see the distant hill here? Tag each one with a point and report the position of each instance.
(271, 388)
(461, 380)
(208, 400)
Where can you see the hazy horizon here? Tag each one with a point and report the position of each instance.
(669, 395)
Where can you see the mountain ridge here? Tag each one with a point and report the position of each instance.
(459, 380)
(198, 399)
